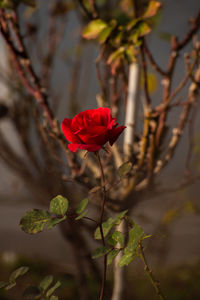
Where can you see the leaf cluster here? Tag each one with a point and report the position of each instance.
(124, 38)
(35, 220)
(45, 290)
(116, 241)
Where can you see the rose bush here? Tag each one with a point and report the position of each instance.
(91, 129)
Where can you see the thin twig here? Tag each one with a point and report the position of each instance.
(148, 271)
(100, 224)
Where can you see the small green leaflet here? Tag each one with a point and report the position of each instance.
(45, 283)
(93, 29)
(111, 255)
(58, 205)
(82, 205)
(101, 251)
(34, 221)
(52, 289)
(124, 169)
(109, 224)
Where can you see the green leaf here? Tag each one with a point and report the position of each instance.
(109, 224)
(45, 283)
(126, 259)
(58, 205)
(136, 234)
(111, 255)
(111, 241)
(3, 284)
(143, 29)
(101, 251)
(52, 290)
(18, 272)
(82, 215)
(124, 169)
(82, 205)
(118, 237)
(93, 29)
(34, 221)
(119, 53)
(106, 32)
(152, 9)
(133, 23)
(31, 292)
(53, 222)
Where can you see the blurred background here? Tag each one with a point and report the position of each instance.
(69, 75)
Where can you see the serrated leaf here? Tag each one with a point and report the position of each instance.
(34, 221)
(152, 9)
(118, 237)
(111, 255)
(45, 283)
(126, 259)
(53, 222)
(124, 169)
(52, 290)
(82, 205)
(18, 272)
(82, 215)
(58, 205)
(31, 292)
(101, 251)
(109, 224)
(3, 284)
(93, 29)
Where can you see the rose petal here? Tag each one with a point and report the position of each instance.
(68, 133)
(89, 147)
(114, 133)
(94, 135)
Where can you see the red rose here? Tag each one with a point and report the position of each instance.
(91, 129)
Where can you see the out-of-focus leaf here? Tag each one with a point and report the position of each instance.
(107, 31)
(126, 259)
(52, 290)
(132, 23)
(82, 215)
(152, 9)
(45, 283)
(95, 189)
(101, 251)
(58, 205)
(94, 28)
(111, 255)
(82, 205)
(151, 81)
(34, 221)
(118, 237)
(124, 169)
(170, 215)
(119, 53)
(18, 272)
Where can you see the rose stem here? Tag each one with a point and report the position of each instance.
(148, 271)
(100, 223)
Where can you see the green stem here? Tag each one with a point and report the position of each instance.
(148, 271)
(100, 224)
